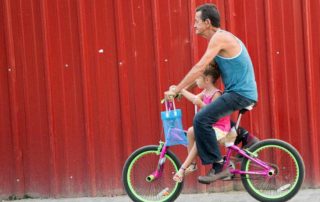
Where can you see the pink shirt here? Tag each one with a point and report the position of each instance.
(223, 123)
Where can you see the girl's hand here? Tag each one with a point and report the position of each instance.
(197, 101)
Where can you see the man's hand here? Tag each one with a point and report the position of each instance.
(171, 93)
(173, 88)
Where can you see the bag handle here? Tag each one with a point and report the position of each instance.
(170, 106)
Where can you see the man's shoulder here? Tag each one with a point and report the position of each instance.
(225, 35)
(223, 38)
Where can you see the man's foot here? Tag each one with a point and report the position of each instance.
(215, 173)
(212, 176)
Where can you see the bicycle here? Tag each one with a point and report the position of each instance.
(271, 170)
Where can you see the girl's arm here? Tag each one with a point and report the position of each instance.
(215, 96)
(195, 99)
(188, 95)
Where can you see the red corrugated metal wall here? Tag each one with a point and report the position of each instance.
(81, 81)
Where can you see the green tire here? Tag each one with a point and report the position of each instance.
(140, 164)
(289, 171)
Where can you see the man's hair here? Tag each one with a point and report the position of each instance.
(213, 71)
(210, 11)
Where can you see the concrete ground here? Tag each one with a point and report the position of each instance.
(307, 195)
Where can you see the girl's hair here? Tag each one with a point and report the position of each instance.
(213, 71)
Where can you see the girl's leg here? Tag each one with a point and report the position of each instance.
(191, 138)
(178, 177)
(191, 157)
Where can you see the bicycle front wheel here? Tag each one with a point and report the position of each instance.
(140, 165)
(288, 174)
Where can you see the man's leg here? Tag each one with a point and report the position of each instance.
(206, 139)
(205, 136)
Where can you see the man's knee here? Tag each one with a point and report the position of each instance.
(203, 120)
(197, 118)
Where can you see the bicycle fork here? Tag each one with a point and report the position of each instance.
(162, 149)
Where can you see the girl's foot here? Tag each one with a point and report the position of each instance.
(178, 177)
(191, 168)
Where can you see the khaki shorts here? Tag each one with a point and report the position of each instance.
(220, 135)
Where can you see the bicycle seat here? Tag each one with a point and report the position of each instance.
(248, 108)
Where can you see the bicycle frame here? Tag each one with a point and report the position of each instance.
(267, 170)
(158, 172)
(275, 175)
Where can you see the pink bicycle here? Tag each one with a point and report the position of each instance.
(271, 170)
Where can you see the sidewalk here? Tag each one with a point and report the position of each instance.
(311, 195)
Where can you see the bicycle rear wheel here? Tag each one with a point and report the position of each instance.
(141, 164)
(287, 179)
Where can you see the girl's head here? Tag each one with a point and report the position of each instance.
(209, 76)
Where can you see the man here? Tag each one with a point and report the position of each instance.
(237, 75)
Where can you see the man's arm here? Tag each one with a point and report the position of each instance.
(214, 47)
(191, 86)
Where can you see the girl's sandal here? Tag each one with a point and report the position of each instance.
(178, 177)
(191, 168)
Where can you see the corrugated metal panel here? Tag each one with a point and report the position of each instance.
(81, 84)
(6, 147)
(312, 71)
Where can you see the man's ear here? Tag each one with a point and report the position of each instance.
(208, 21)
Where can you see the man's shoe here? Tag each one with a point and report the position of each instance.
(212, 176)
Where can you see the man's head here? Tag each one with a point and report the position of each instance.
(207, 16)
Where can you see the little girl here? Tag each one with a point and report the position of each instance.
(222, 127)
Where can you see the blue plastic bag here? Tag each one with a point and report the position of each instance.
(172, 126)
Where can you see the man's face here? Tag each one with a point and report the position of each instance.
(200, 26)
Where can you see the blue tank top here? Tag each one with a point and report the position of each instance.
(237, 74)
